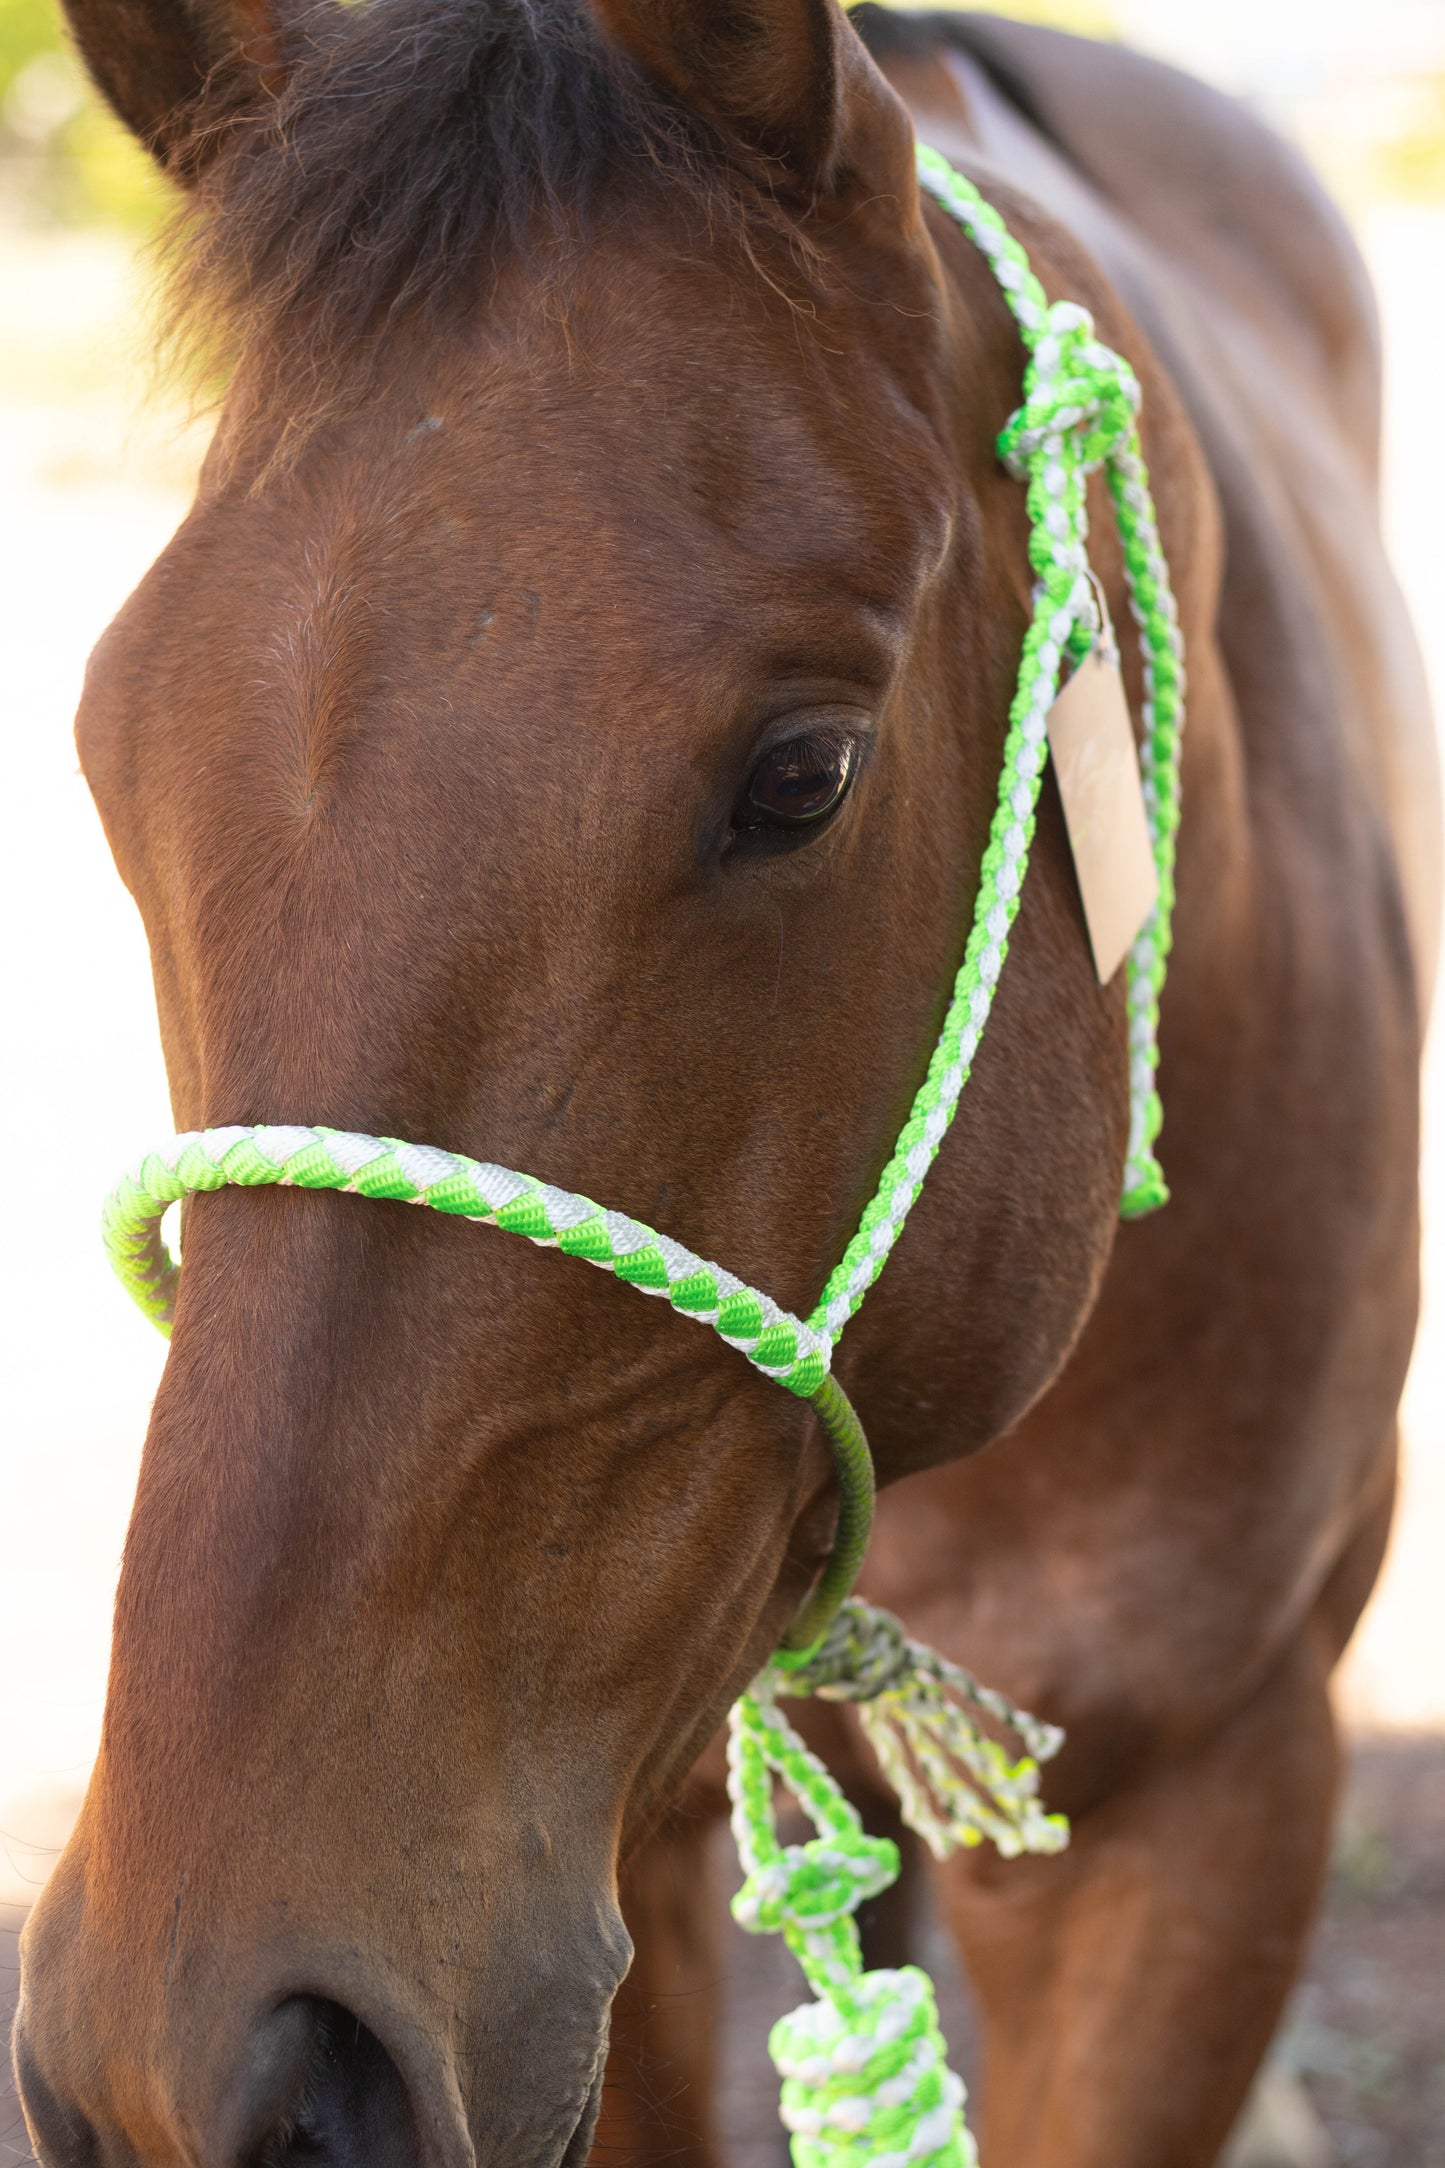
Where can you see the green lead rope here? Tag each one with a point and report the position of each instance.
(866, 2082)
(865, 2076)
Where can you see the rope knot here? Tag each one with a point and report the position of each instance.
(809, 1886)
(1075, 387)
(863, 1654)
(866, 2080)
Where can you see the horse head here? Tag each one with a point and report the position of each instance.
(565, 730)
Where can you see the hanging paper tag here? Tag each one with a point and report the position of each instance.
(1097, 764)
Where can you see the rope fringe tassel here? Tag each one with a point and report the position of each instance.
(955, 1783)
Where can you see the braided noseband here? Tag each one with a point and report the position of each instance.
(865, 2078)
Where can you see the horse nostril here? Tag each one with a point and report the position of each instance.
(318, 2091)
(274, 2081)
(337, 2099)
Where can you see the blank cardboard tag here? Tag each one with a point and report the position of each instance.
(1097, 764)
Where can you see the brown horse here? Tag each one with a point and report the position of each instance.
(606, 480)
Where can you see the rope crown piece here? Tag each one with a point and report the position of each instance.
(865, 2077)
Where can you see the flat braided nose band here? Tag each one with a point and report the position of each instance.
(866, 2082)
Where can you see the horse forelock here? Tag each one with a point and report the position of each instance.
(413, 152)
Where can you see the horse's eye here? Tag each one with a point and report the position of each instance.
(800, 781)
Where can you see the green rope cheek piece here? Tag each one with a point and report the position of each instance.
(865, 2077)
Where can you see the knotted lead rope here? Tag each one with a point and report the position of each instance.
(865, 2081)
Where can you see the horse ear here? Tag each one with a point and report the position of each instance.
(789, 77)
(179, 73)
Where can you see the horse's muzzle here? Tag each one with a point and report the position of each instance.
(315, 2085)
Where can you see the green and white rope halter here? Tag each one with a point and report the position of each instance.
(866, 2083)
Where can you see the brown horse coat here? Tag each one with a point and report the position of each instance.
(609, 412)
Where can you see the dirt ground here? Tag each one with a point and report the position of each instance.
(1367, 2026)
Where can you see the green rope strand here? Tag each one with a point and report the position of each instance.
(779, 1344)
(856, 1490)
(865, 2079)
(1080, 402)
(1152, 602)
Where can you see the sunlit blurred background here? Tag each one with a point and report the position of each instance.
(96, 465)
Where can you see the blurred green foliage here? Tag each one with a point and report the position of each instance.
(62, 154)
(27, 27)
